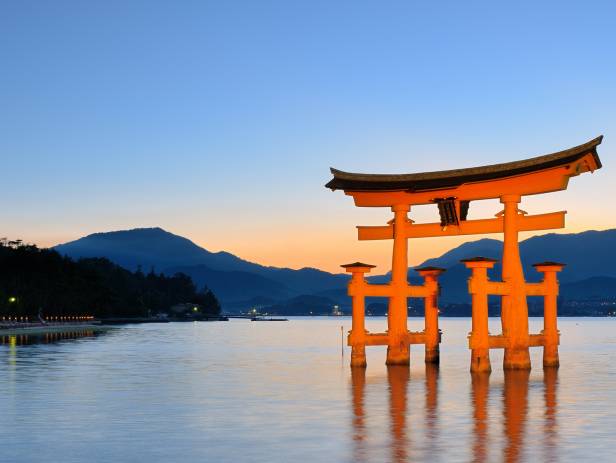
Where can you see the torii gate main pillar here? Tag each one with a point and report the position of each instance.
(398, 350)
(514, 306)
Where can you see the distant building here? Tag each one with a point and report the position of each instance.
(185, 309)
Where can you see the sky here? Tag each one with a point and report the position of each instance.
(218, 121)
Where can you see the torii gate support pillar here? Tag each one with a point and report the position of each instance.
(431, 330)
(550, 327)
(479, 338)
(514, 307)
(357, 336)
(398, 348)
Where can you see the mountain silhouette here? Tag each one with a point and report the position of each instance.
(590, 289)
(151, 248)
(237, 282)
(231, 278)
(586, 255)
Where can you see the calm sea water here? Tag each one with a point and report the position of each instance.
(280, 392)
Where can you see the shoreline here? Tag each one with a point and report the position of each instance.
(43, 329)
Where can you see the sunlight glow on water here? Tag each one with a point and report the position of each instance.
(279, 392)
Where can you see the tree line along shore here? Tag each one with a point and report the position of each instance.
(37, 282)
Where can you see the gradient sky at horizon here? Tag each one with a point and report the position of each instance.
(218, 121)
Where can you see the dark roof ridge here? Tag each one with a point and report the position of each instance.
(446, 178)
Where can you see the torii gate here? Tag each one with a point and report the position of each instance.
(452, 191)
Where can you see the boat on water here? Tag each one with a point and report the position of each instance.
(269, 319)
(336, 312)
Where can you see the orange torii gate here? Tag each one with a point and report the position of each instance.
(452, 191)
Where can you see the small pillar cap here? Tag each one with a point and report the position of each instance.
(545, 265)
(479, 261)
(358, 267)
(430, 269)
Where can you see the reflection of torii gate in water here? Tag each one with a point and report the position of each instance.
(404, 446)
(452, 191)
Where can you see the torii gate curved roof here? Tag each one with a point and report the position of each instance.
(429, 181)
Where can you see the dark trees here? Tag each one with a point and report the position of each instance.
(33, 278)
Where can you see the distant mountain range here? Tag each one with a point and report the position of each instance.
(588, 255)
(239, 284)
(235, 281)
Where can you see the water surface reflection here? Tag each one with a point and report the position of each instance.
(515, 407)
(485, 443)
(398, 380)
(479, 396)
(239, 391)
(550, 428)
(358, 385)
(45, 338)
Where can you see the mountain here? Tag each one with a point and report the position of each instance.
(485, 247)
(587, 254)
(241, 284)
(151, 248)
(234, 285)
(589, 289)
(232, 279)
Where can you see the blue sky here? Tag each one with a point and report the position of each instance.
(219, 120)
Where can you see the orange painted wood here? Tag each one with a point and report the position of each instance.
(537, 222)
